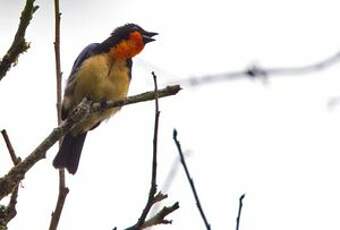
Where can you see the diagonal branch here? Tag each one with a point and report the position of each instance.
(191, 182)
(84, 109)
(256, 71)
(19, 44)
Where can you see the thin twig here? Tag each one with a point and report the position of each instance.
(155, 137)
(10, 211)
(159, 217)
(19, 44)
(256, 71)
(239, 211)
(56, 43)
(10, 148)
(191, 182)
(83, 110)
(63, 190)
(153, 188)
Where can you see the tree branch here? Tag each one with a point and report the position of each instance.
(239, 211)
(256, 71)
(63, 190)
(84, 109)
(158, 218)
(10, 211)
(147, 96)
(19, 44)
(153, 188)
(56, 43)
(191, 182)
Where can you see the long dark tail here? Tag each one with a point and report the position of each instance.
(69, 153)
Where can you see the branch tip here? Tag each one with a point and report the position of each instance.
(175, 134)
(239, 211)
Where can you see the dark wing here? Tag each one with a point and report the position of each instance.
(87, 52)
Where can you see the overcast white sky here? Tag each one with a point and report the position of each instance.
(277, 143)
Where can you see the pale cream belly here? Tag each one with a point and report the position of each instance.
(99, 83)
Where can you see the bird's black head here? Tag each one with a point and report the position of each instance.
(124, 33)
(126, 41)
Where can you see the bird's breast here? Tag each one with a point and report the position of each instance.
(118, 79)
(100, 79)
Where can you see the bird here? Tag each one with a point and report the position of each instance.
(101, 72)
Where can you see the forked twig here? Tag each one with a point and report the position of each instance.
(153, 188)
(159, 217)
(10, 211)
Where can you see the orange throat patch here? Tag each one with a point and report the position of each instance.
(128, 48)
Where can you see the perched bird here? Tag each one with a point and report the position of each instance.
(101, 72)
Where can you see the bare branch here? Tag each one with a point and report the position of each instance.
(147, 96)
(153, 188)
(191, 182)
(158, 218)
(56, 43)
(19, 44)
(63, 190)
(84, 109)
(256, 71)
(10, 211)
(239, 211)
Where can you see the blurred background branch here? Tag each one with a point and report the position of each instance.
(258, 72)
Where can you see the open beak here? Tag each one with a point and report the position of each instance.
(147, 36)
